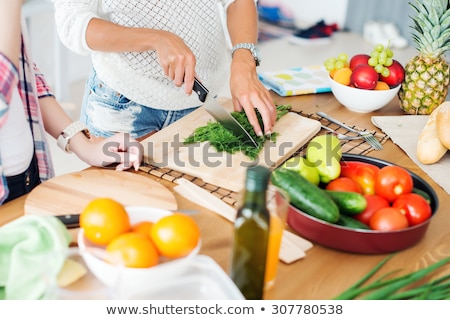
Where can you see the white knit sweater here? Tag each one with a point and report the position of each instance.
(138, 75)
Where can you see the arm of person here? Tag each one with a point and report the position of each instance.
(100, 152)
(247, 91)
(10, 24)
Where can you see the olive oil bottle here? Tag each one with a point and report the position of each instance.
(251, 235)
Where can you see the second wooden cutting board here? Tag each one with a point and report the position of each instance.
(165, 149)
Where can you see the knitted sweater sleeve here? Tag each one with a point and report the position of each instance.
(72, 18)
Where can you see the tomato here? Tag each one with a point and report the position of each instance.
(362, 173)
(388, 219)
(393, 181)
(396, 74)
(415, 208)
(358, 59)
(374, 203)
(343, 184)
(364, 77)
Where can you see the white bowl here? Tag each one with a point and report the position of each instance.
(133, 280)
(360, 100)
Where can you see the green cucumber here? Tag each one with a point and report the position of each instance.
(349, 203)
(422, 193)
(305, 195)
(349, 222)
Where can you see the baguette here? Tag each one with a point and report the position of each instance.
(443, 124)
(429, 147)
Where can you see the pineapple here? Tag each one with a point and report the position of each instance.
(427, 75)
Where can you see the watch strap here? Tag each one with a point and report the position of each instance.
(249, 46)
(67, 134)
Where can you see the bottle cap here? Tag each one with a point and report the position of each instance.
(257, 178)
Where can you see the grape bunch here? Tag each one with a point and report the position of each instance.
(332, 64)
(381, 58)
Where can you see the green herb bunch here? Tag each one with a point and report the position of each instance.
(224, 140)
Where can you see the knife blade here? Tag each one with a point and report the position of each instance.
(218, 112)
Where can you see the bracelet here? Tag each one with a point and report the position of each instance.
(72, 129)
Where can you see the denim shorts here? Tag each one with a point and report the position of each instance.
(106, 111)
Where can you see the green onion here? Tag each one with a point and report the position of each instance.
(402, 287)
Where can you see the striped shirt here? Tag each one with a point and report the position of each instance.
(32, 86)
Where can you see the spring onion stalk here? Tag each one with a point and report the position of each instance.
(397, 288)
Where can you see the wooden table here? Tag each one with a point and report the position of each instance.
(324, 272)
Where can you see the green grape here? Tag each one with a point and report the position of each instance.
(374, 54)
(372, 62)
(379, 68)
(330, 60)
(388, 62)
(339, 64)
(382, 61)
(329, 66)
(389, 53)
(379, 47)
(385, 72)
(383, 55)
(343, 57)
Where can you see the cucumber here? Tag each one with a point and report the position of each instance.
(349, 203)
(305, 195)
(349, 222)
(422, 193)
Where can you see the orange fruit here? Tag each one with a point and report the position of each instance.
(175, 235)
(103, 219)
(342, 76)
(133, 250)
(142, 227)
(381, 86)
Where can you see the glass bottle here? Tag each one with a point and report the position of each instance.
(251, 234)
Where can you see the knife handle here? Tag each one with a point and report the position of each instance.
(200, 89)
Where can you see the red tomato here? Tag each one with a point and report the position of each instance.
(364, 77)
(343, 184)
(415, 208)
(374, 203)
(362, 173)
(388, 219)
(393, 181)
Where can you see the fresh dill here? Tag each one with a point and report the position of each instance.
(224, 140)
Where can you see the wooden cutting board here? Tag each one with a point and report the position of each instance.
(165, 149)
(70, 193)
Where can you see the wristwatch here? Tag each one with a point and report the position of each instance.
(249, 46)
(67, 134)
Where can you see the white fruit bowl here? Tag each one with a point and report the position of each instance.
(360, 100)
(131, 281)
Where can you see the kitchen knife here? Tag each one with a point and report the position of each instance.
(219, 113)
(72, 221)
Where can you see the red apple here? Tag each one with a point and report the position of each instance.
(358, 59)
(364, 77)
(396, 74)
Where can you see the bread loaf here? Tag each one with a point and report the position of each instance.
(443, 123)
(429, 147)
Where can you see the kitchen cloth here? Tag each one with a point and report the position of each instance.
(404, 131)
(26, 245)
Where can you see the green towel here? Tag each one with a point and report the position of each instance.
(26, 259)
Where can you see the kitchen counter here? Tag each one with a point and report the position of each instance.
(324, 272)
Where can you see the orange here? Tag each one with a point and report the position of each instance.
(133, 250)
(342, 76)
(381, 86)
(142, 227)
(175, 235)
(103, 219)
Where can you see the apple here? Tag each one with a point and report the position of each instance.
(364, 77)
(358, 59)
(396, 74)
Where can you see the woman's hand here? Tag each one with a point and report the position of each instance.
(102, 152)
(248, 94)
